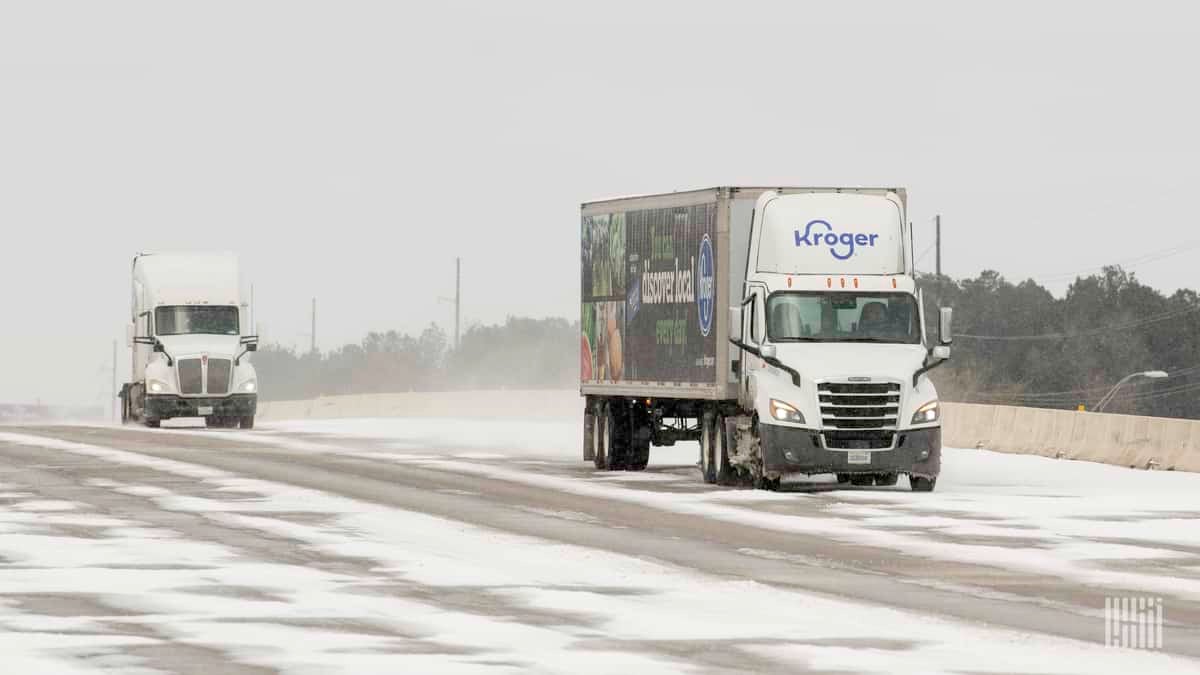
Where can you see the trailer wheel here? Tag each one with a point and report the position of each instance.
(639, 438)
(921, 484)
(599, 442)
(616, 436)
(153, 424)
(862, 479)
(722, 470)
(247, 422)
(843, 478)
(589, 433)
(708, 469)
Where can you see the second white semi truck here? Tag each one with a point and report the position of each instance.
(189, 342)
(780, 327)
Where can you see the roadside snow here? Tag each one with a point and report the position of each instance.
(446, 596)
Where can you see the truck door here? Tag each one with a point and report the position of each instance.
(754, 330)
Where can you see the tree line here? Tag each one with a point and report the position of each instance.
(1018, 344)
(1015, 343)
(521, 353)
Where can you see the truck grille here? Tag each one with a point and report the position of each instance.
(859, 415)
(218, 376)
(191, 378)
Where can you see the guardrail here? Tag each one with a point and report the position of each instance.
(1124, 440)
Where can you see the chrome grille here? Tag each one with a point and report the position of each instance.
(191, 377)
(859, 415)
(219, 371)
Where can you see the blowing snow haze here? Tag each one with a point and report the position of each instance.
(351, 151)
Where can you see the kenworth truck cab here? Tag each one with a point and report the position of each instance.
(189, 343)
(781, 327)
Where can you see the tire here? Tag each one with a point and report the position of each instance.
(153, 424)
(722, 470)
(708, 469)
(589, 432)
(843, 478)
(639, 438)
(862, 480)
(886, 479)
(599, 444)
(616, 436)
(920, 484)
(246, 422)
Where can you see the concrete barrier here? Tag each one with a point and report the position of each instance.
(1123, 440)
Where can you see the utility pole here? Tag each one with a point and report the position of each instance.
(314, 326)
(112, 410)
(938, 222)
(457, 298)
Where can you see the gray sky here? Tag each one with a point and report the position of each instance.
(350, 151)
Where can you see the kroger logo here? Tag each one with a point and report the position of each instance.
(706, 291)
(833, 240)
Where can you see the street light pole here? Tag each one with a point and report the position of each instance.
(1150, 374)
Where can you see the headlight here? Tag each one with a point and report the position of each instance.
(156, 386)
(249, 386)
(927, 413)
(785, 412)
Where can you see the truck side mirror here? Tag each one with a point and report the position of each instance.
(129, 328)
(158, 347)
(735, 324)
(944, 334)
(941, 353)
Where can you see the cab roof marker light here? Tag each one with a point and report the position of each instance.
(893, 282)
(843, 282)
(829, 283)
(856, 282)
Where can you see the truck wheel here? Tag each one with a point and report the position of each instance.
(843, 478)
(153, 424)
(708, 469)
(722, 470)
(599, 444)
(862, 479)
(639, 438)
(616, 436)
(247, 422)
(920, 484)
(589, 432)
(886, 479)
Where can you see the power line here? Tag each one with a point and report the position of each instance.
(1129, 263)
(1095, 331)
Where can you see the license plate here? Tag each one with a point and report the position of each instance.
(858, 457)
(204, 410)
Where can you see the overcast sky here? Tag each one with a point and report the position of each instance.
(350, 151)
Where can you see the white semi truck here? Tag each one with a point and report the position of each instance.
(189, 341)
(780, 327)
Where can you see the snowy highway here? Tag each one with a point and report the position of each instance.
(421, 546)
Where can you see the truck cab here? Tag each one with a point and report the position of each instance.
(833, 346)
(189, 342)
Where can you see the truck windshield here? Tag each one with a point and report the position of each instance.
(843, 317)
(193, 319)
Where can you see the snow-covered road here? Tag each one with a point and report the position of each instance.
(409, 545)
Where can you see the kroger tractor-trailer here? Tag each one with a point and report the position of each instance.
(189, 342)
(779, 327)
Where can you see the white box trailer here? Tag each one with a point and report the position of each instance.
(189, 339)
(780, 327)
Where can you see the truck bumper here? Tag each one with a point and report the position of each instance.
(918, 452)
(164, 407)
